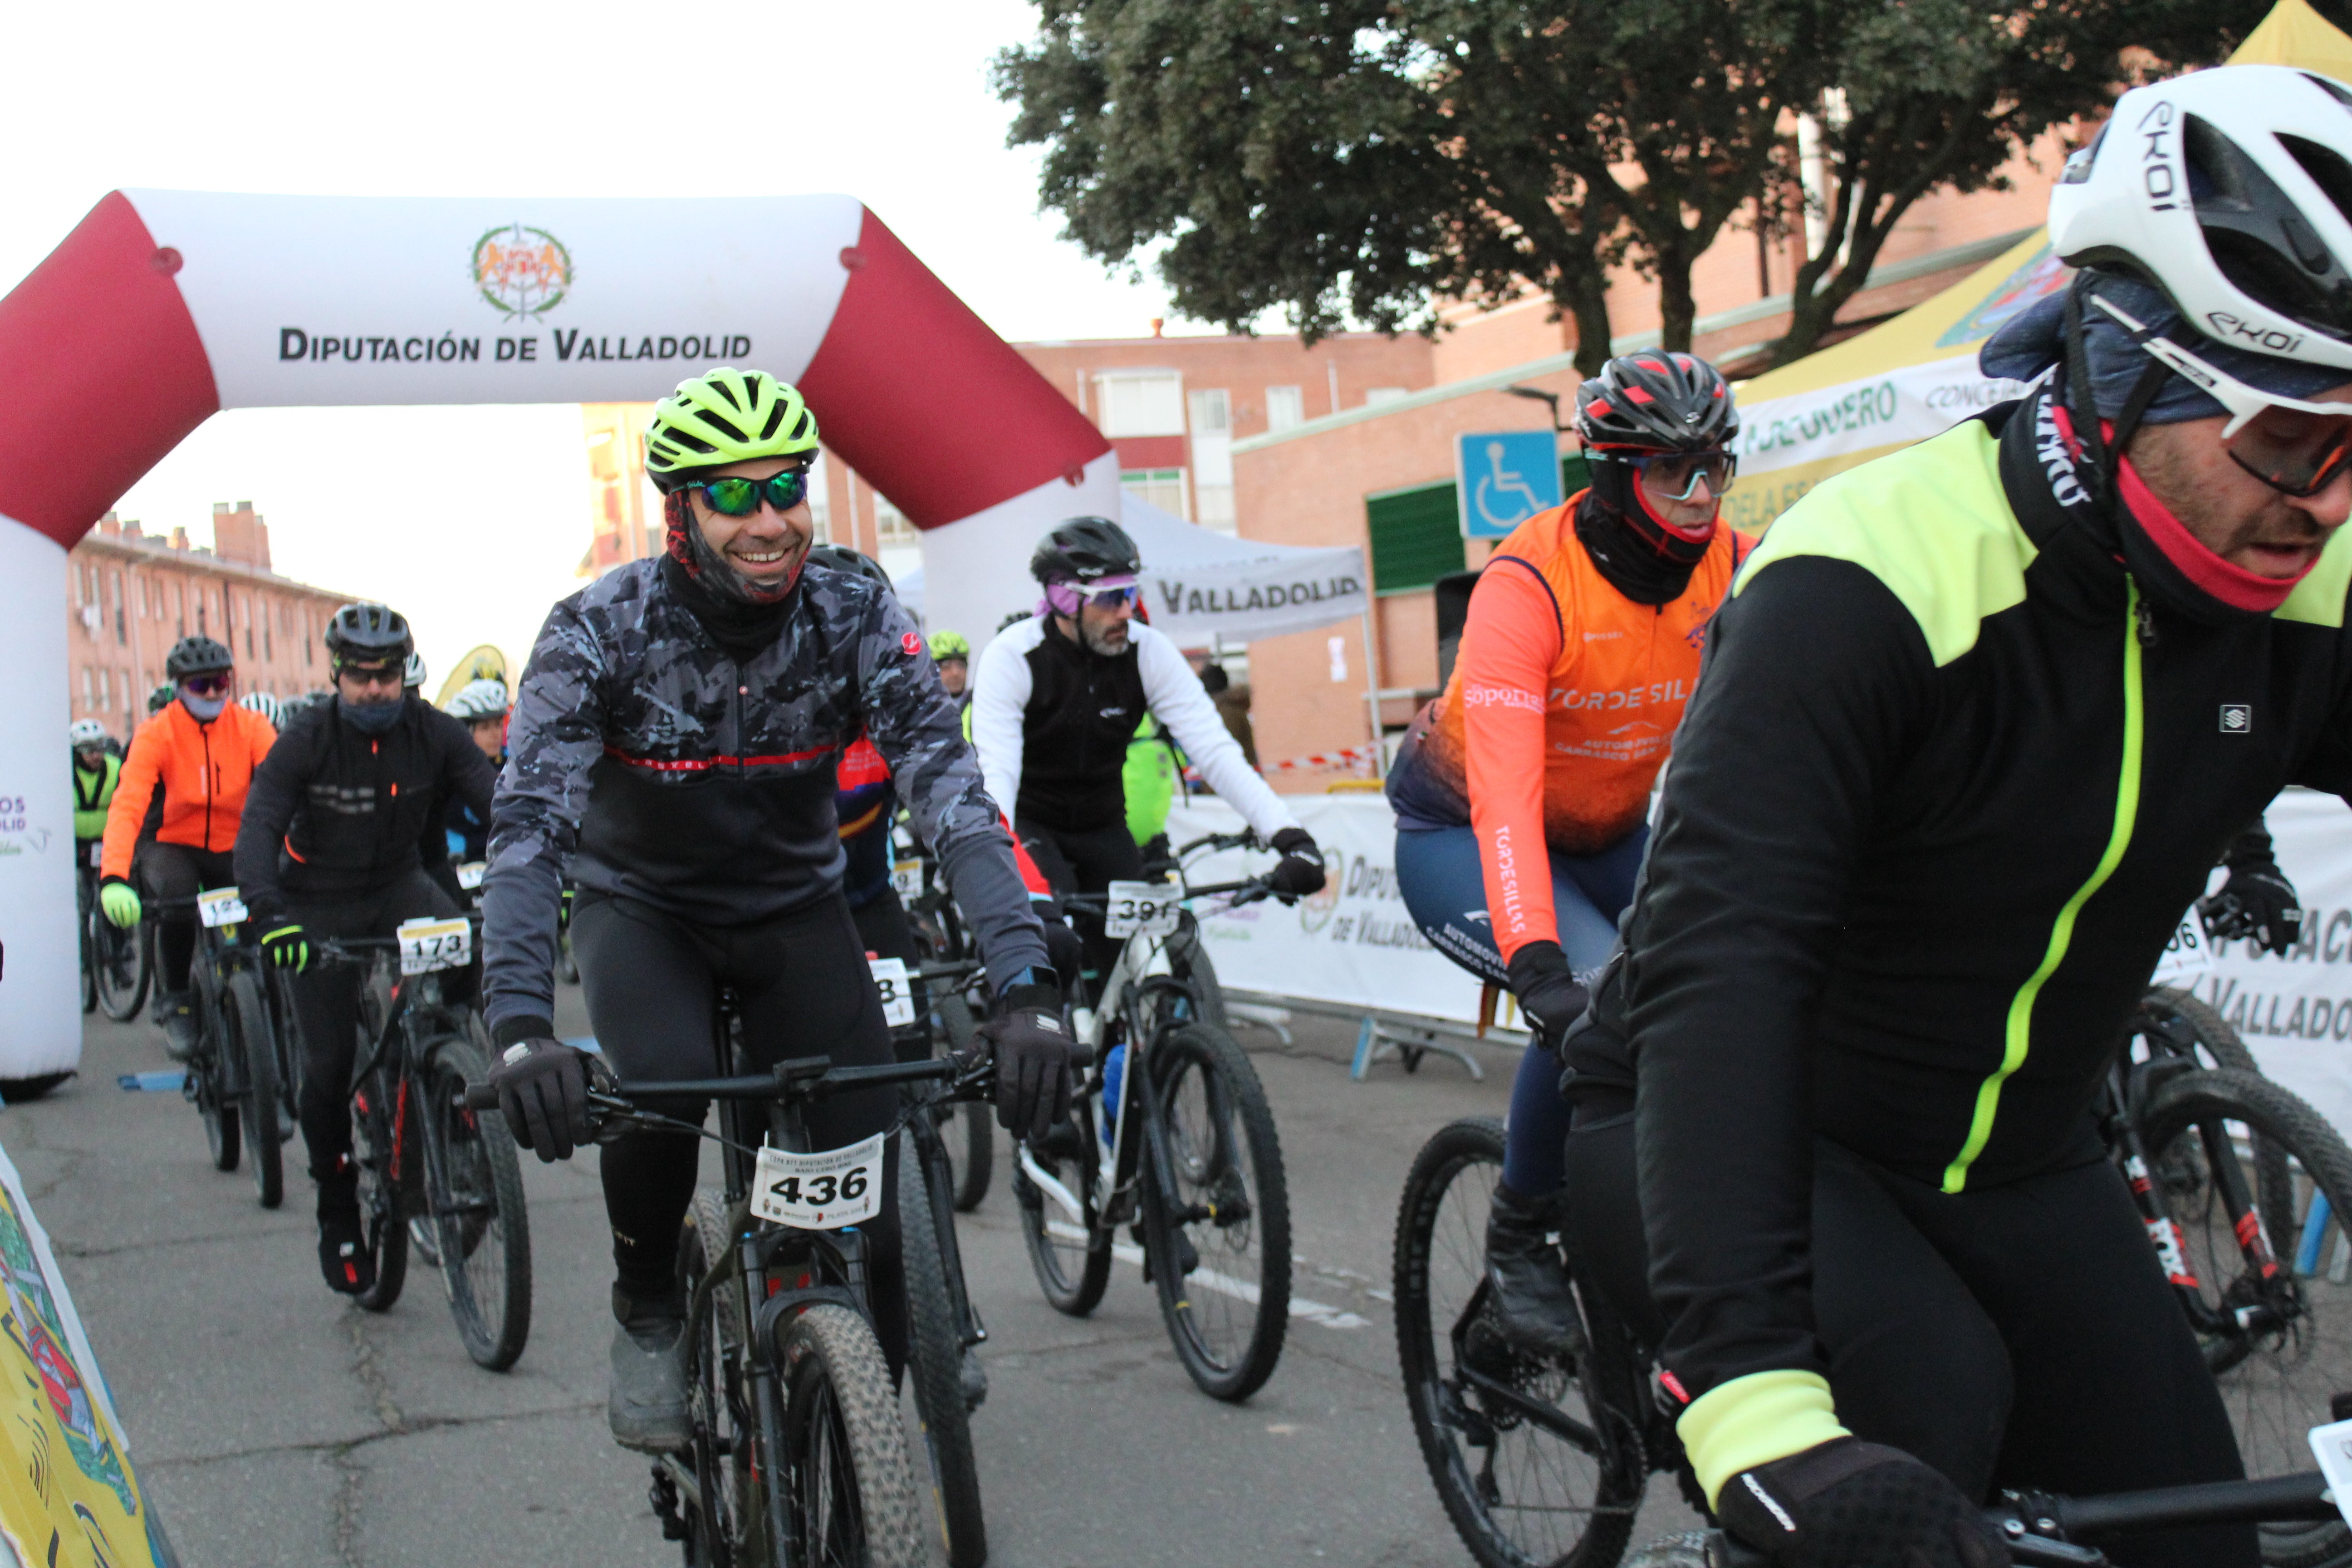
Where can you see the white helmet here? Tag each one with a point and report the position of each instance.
(478, 700)
(85, 733)
(2230, 189)
(415, 675)
(263, 703)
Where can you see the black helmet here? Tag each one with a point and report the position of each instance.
(369, 634)
(1657, 402)
(197, 656)
(842, 558)
(1084, 549)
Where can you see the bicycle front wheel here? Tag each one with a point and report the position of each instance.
(1537, 1460)
(250, 1039)
(850, 1497)
(2273, 1305)
(480, 1228)
(375, 1113)
(935, 1367)
(1220, 1242)
(1068, 1251)
(118, 968)
(973, 1151)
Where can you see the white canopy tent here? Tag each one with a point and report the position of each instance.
(1199, 584)
(1207, 589)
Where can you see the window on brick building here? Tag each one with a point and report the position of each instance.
(892, 528)
(1140, 402)
(1162, 488)
(1284, 406)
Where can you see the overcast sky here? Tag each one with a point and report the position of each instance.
(472, 520)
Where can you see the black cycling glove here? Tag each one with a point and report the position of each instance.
(543, 1088)
(1846, 1502)
(1547, 989)
(1033, 1060)
(2256, 901)
(1301, 870)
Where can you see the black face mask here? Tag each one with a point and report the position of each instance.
(1649, 563)
(372, 718)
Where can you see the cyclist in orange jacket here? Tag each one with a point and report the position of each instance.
(200, 751)
(1522, 794)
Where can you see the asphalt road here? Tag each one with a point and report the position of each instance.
(277, 1425)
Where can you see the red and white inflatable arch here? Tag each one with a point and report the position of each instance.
(164, 306)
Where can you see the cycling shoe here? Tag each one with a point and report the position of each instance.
(344, 1255)
(177, 1013)
(1526, 1281)
(648, 1403)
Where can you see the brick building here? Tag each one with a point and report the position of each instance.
(130, 595)
(1172, 407)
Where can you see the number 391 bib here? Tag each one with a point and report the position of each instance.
(823, 1191)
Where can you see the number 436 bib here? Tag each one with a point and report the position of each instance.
(824, 1191)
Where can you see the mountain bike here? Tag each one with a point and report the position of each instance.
(939, 929)
(421, 1152)
(1187, 1155)
(233, 1076)
(798, 1455)
(944, 1330)
(1541, 1459)
(2241, 1183)
(116, 961)
(2044, 1530)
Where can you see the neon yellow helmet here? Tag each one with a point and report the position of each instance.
(724, 417)
(950, 645)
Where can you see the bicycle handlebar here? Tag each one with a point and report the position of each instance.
(810, 1078)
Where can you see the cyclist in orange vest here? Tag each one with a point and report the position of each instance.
(200, 751)
(1522, 794)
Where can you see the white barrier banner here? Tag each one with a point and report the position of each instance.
(1353, 942)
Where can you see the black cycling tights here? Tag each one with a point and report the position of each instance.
(651, 981)
(180, 871)
(2022, 1336)
(1087, 863)
(327, 1000)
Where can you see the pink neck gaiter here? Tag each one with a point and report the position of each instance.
(2205, 571)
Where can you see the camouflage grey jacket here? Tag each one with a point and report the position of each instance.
(660, 770)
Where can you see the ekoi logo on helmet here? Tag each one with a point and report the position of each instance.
(523, 271)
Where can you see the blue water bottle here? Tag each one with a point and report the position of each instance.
(1114, 1067)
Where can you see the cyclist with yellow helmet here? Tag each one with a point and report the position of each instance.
(673, 747)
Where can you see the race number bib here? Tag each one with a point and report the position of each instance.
(2187, 955)
(897, 996)
(221, 907)
(470, 874)
(907, 879)
(429, 945)
(1140, 908)
(820, 1191)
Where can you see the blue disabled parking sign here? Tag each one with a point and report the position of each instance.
(1504, 478)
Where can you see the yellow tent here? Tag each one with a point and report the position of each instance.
(1916, 376)
(485, 663)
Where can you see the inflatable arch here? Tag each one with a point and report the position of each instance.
(164, 306)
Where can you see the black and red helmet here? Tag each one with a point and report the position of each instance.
(1655, 401)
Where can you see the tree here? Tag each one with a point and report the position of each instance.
(1363, 160)
(1942, 93)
